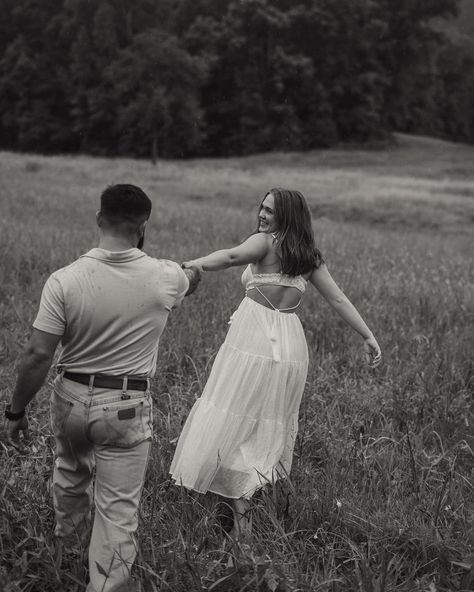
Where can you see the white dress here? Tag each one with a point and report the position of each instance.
(241, 432)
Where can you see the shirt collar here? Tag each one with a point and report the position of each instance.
(115, 256)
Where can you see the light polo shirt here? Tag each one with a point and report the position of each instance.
(111, 307)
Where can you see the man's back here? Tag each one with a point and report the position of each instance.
(111, 308)
(108, 309)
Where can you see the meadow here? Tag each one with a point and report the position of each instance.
(381, 493)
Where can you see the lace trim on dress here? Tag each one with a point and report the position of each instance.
(278, 279)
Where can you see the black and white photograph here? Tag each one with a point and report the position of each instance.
(237, 295)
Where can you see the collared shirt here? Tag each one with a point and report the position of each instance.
(111, 307)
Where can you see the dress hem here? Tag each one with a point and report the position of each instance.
(245, 496)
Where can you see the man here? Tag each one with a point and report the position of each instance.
(108, 309)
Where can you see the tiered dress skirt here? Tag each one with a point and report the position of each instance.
(240, 434)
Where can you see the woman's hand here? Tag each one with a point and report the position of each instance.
(192, 263)
(372, 352)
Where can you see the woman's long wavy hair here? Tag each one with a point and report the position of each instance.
(295, 244)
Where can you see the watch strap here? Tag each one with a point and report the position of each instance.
(13, 416)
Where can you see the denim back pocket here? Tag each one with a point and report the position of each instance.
(60, 411)
(122, 423)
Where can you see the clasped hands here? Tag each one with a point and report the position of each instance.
(192, 264)
(193, 273)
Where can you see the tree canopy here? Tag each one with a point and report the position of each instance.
(175, 78)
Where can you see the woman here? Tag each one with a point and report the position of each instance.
(241, 432)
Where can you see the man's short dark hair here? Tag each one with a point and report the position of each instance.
(125, 203)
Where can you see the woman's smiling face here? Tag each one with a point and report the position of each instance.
(266, 215)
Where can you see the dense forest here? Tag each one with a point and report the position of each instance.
(175, 78)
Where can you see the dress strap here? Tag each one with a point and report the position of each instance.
(262, 294)
(290, 308)
(271, 304)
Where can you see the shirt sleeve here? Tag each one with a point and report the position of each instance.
(51, 317)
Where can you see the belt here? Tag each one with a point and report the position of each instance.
(111, 382)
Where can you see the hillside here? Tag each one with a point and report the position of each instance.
(411, 183)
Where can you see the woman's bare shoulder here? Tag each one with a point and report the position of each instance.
(316, 272)
(264, 240)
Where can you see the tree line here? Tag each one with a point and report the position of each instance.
(176, 78)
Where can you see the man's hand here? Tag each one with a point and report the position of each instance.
(14, 428)
(194, 276)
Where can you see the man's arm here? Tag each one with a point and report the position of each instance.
(35, 362)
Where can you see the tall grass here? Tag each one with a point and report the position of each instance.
(380, 497)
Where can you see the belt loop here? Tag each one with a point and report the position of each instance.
(91, 383)
(125, 385)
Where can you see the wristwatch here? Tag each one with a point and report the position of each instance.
(13, 416)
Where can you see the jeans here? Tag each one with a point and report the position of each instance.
(109, 430)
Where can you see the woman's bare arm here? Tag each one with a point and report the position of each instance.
(250, 251)
(332, 293)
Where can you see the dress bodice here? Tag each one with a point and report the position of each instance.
(250, 280)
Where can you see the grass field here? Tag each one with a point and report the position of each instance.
(381, 496)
